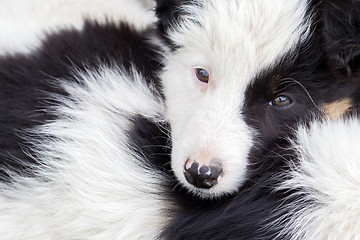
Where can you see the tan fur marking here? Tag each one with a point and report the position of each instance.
(338, 108)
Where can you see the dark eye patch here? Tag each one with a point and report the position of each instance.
(278, 99)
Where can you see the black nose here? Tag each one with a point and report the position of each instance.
(202, 177)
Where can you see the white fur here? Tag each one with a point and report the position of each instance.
(91, 186)
(24, 23)
(329, 178)
(234, 40)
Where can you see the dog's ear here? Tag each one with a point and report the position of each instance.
(341, 31)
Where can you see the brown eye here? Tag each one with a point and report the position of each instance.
(202, 75)
(281, 101)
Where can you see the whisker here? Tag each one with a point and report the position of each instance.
(307, 93)
(177, 185)
(161, 146)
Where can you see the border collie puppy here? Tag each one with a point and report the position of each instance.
(308, 186)
(240, 75)
(84, 141)
(83, 138)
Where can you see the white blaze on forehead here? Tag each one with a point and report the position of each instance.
(243, 35)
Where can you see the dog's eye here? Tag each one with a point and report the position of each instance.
(281, 101)
(202, 75)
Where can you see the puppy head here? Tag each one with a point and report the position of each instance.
(234, 81)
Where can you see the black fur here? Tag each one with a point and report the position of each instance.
(340, 27)
(341, 31)
(150, 139)
(169, 13)
(28, 80)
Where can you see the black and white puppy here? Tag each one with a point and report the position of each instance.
(308, 186)
(240, 75)
(84, 144)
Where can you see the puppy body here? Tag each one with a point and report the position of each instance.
(325, 205)
(83, 139)
(89, 179)
(24, 24)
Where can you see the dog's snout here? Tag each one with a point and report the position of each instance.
(201, 176)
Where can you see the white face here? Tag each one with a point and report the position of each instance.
(233, 40)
